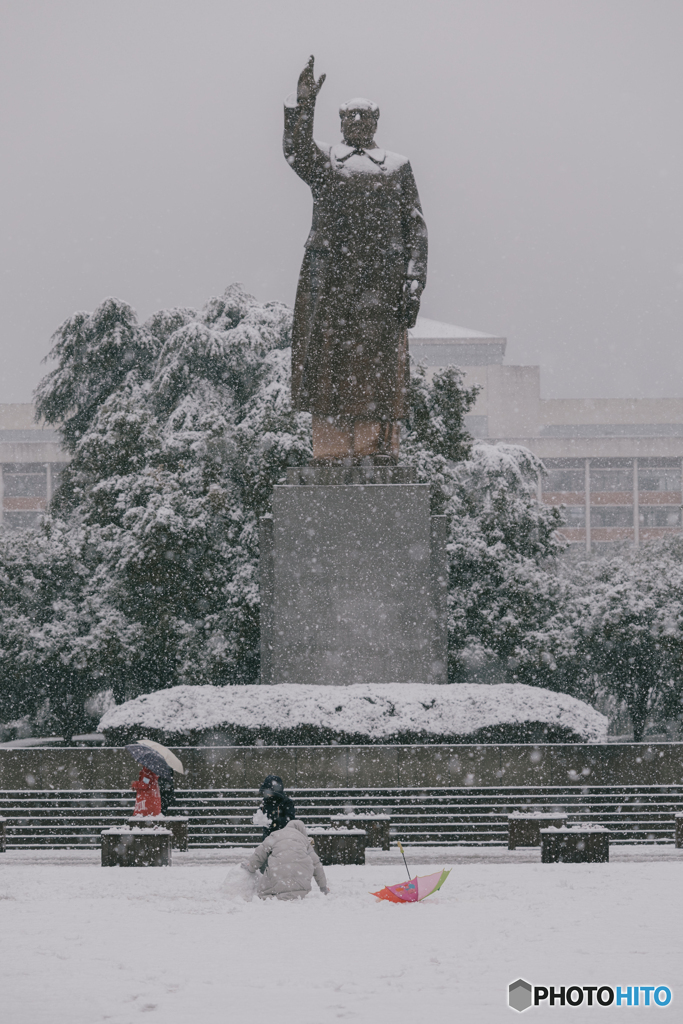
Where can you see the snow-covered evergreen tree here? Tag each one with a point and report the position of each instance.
(618, 633)
(62, 639)
(171, 468)
(502, 544)
(145, 573)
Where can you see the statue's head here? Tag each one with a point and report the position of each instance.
(359, 119)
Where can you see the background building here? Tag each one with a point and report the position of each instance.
(614, 463)
(30, 462)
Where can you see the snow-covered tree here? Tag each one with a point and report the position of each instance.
(170, 471)
(178, 429)
(95, 353)
(61, 638)
(619, 632)
(502, 544)
(502, 554)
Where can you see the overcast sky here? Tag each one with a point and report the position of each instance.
(141, 158)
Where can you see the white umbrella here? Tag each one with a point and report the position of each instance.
(169, 757)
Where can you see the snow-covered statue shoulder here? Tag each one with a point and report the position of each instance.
(362, 276)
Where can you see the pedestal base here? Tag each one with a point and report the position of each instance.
(353, 580)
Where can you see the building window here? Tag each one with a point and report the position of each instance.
(26, 490)
(24, 480)
(612, 478)
(611, 515)
(659, 516)
(658, 475)
(20, 520)
(564, 480)
(575, 516)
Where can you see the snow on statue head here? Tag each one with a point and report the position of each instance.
(359, 103)
(359, 119)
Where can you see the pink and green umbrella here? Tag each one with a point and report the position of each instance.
(415, 890)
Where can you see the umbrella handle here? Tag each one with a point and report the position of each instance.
(404, 858)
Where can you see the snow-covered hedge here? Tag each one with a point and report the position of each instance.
(363, 713)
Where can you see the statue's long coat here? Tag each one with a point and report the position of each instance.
(350, 346)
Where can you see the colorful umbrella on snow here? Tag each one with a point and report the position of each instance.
(413, 891)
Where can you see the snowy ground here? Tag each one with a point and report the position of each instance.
(83, 944)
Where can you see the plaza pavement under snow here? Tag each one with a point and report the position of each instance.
(81, 944)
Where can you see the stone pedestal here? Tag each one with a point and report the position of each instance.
(339, 845)
(376, 827)
(136, 848)
(575, 845)
(177, 826)
(353, 580)
(525, 829)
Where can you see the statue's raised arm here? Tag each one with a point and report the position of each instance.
(307, 88)
(300, 150)
(360, 284)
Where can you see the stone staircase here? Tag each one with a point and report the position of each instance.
(67, 819)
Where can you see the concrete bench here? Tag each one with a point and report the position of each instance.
(525, 829)
(126, 847)
(3, 835)
(678, 840)
(577, 844)
(376, 827)
(177, 826)
(339, 845)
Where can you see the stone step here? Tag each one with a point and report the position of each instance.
(213, 816)
(420, 816)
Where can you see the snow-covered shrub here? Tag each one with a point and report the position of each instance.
(360, 713)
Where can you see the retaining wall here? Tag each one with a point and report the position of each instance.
(495, 765)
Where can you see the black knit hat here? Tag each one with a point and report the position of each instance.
(273, 784)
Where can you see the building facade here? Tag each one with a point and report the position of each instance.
(30, 463)
(614, 463)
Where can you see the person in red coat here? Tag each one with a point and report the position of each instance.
(148, 797)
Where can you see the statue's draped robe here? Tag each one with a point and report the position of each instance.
(350, 345)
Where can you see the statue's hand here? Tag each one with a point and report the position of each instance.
(307, 88)
(410, 305)
(412, 289)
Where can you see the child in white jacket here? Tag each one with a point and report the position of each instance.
(286, 862)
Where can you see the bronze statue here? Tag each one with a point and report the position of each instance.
(362, 276)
